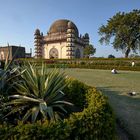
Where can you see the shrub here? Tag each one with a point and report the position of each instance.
(95, 121)
(76, 92)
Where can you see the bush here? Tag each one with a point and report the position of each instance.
(95, 121)
(76, 92)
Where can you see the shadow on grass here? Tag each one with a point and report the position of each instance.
(123, 105)
(113, 93)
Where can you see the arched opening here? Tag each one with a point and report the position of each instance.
(77, 53)
(53, 53)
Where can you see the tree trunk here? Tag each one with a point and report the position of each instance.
(127, 53)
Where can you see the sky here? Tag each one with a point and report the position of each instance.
(20, 18)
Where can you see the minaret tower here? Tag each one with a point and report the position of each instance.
(70, 40)
(38, 44)
(86, 39)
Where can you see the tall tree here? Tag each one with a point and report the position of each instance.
(89, 50)
(123, 31)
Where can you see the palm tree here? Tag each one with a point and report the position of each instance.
(39, 94)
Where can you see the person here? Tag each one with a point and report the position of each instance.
(114, 71)
(133, 64)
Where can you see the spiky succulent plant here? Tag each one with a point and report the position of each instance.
(39, 94)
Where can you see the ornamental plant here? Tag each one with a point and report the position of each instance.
(8, 74)
(39, 94)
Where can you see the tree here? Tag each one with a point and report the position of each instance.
(123, 30)
(89, 50)
(134, 56)
(111, 56)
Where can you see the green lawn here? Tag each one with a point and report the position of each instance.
(116, 87)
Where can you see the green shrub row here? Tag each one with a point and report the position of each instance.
(94, 122)
(121, 64)
(107, 67)
(94, 63)
(97, 66)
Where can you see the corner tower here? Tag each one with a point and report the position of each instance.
(38, 43)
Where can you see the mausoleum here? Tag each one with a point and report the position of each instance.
(62, 41)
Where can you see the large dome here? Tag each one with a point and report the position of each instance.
(62, 26)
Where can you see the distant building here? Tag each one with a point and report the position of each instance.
(28, 55)
(12, 51)
(62, 41)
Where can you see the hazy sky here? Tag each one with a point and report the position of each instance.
(20, 18)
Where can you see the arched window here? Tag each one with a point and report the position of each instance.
(53, 53)
(77, 53)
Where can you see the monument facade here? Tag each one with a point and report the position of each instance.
(62, 41)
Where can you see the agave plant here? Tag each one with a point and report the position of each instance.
(4, 77)
(8, 73)
(39, 94)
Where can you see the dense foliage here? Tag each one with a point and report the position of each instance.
(89, 50)
(124, 30)
(37, 98)
(95, 121)
(76, 93)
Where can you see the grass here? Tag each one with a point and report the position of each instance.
(116, 87)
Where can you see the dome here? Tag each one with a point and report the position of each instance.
(62, 26)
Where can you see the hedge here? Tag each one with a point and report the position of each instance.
(93, 63)
(95, 122)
